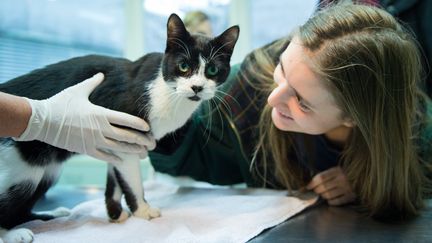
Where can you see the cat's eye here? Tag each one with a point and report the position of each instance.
(212, 70)
(183, 67)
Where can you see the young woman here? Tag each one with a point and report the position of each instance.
(335, 108)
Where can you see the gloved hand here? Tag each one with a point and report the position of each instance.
(70, 121)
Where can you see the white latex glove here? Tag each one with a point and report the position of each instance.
(70, 121)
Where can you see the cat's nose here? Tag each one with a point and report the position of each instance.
(196, 89)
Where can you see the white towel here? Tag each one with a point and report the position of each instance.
(188, 215)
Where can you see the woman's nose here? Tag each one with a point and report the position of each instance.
(278, 95)
(281, 93)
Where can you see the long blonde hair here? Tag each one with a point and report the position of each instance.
(372, 67)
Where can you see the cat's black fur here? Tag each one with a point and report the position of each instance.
(125, 88)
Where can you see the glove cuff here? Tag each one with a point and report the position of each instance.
(36, 121)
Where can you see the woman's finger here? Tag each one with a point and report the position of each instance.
(117, 146)
(326, 186)
(130, 136)
(344, 199)
(334, 193)
(323, 177)
(105, 156)
(126, 120)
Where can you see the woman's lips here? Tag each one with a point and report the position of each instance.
(284, 115)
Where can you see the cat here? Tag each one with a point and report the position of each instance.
(162, 88)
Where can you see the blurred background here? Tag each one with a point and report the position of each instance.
(35, 33)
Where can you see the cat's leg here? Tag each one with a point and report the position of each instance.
(26, 176)
(18, 207)
(26, 235)
(50, 176)
(128, 175)
(21, 235)
(113, 194)
(16, 203)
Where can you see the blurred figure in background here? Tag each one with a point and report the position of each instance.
(198, 22)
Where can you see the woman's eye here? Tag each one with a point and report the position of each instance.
(302, 106)
(183, 67)
(212, 70)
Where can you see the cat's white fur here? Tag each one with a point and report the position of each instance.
(21, 235)
(170, 106)
(22, 171)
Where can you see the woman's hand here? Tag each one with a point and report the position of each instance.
(332, 185)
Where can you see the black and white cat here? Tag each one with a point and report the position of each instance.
(163, 88)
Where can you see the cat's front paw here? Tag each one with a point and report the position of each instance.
(22, 235)
(147, 212)
(123, 216)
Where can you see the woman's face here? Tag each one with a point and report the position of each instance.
(301, 103)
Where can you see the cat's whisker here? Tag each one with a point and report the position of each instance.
(184, 55)
(230, 96)
(222, 46)
(220, 54)
(182, 45)
(142, 106)
(142, 110)
(225, 105)
(205, 59)
(209, 115)
(207, 131)
(211, 53)
(179, 43)
(221, 119)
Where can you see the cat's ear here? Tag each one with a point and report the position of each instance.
(228, 38)
(175, 31)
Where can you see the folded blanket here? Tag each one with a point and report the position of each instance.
(188, 215)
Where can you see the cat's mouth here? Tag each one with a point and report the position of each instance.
(194, 98)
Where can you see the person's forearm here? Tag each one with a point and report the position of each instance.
(15, 113)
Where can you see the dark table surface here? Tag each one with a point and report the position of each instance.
(323, 223)
(320, 223)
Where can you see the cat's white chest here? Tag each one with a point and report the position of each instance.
(170, 116)
(167, 112)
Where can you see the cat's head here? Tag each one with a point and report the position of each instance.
(194, 65)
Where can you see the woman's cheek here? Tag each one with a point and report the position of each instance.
(294, 108)
(299, 116)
